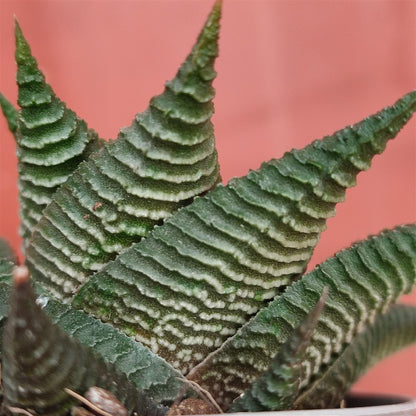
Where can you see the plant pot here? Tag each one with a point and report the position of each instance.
(356, 405)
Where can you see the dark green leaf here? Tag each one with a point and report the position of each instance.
(363, 281)
(146, 370)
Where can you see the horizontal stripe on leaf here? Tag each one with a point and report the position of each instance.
(51, 133)
(29, 213)
(34, 93)
(57, 153)
(48, 176)
(120, 159)
(348, 309)
(146, 370)
(247, 240)
(156, 166)
(192, 113)
(157, 149)
(389, 333)
(173, 130)
(41, 115)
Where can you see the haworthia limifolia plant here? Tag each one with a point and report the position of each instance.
(51, 139)
(40, 360)
(133, 232)
(194, 281)
(362, 281)
(158, 164)
(390, 332)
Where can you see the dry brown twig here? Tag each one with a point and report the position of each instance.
(203, 394)
(85, 401)
(19, 411)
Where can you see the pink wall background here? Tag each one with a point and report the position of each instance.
(288, 72)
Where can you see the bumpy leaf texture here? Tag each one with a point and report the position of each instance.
(147, 371)
(51, 139)
(195, 280)
(40, 360)
(363, 281)
(278, 387)
(158, 164)
(389, 333)
(150, 373)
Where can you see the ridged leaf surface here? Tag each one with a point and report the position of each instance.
(195, 280)
(147, 371)
(389, 333)
(51, 139)
(363, 281)
(157, 165)
(40, 360)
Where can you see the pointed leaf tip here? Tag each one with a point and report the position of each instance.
(206, 47)
(9, 112)
(27, 66)
(22, 47)
(307, 327)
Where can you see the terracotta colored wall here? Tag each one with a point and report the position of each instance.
(289, 72)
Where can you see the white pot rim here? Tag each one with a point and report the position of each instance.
(398, 406)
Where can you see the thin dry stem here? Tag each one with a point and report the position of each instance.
(85, 401)
(203, 394)
(19, 411)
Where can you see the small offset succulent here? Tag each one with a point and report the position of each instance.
(153, 283)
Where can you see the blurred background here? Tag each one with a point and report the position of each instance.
(288, 72)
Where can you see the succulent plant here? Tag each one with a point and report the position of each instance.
(154, 282)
